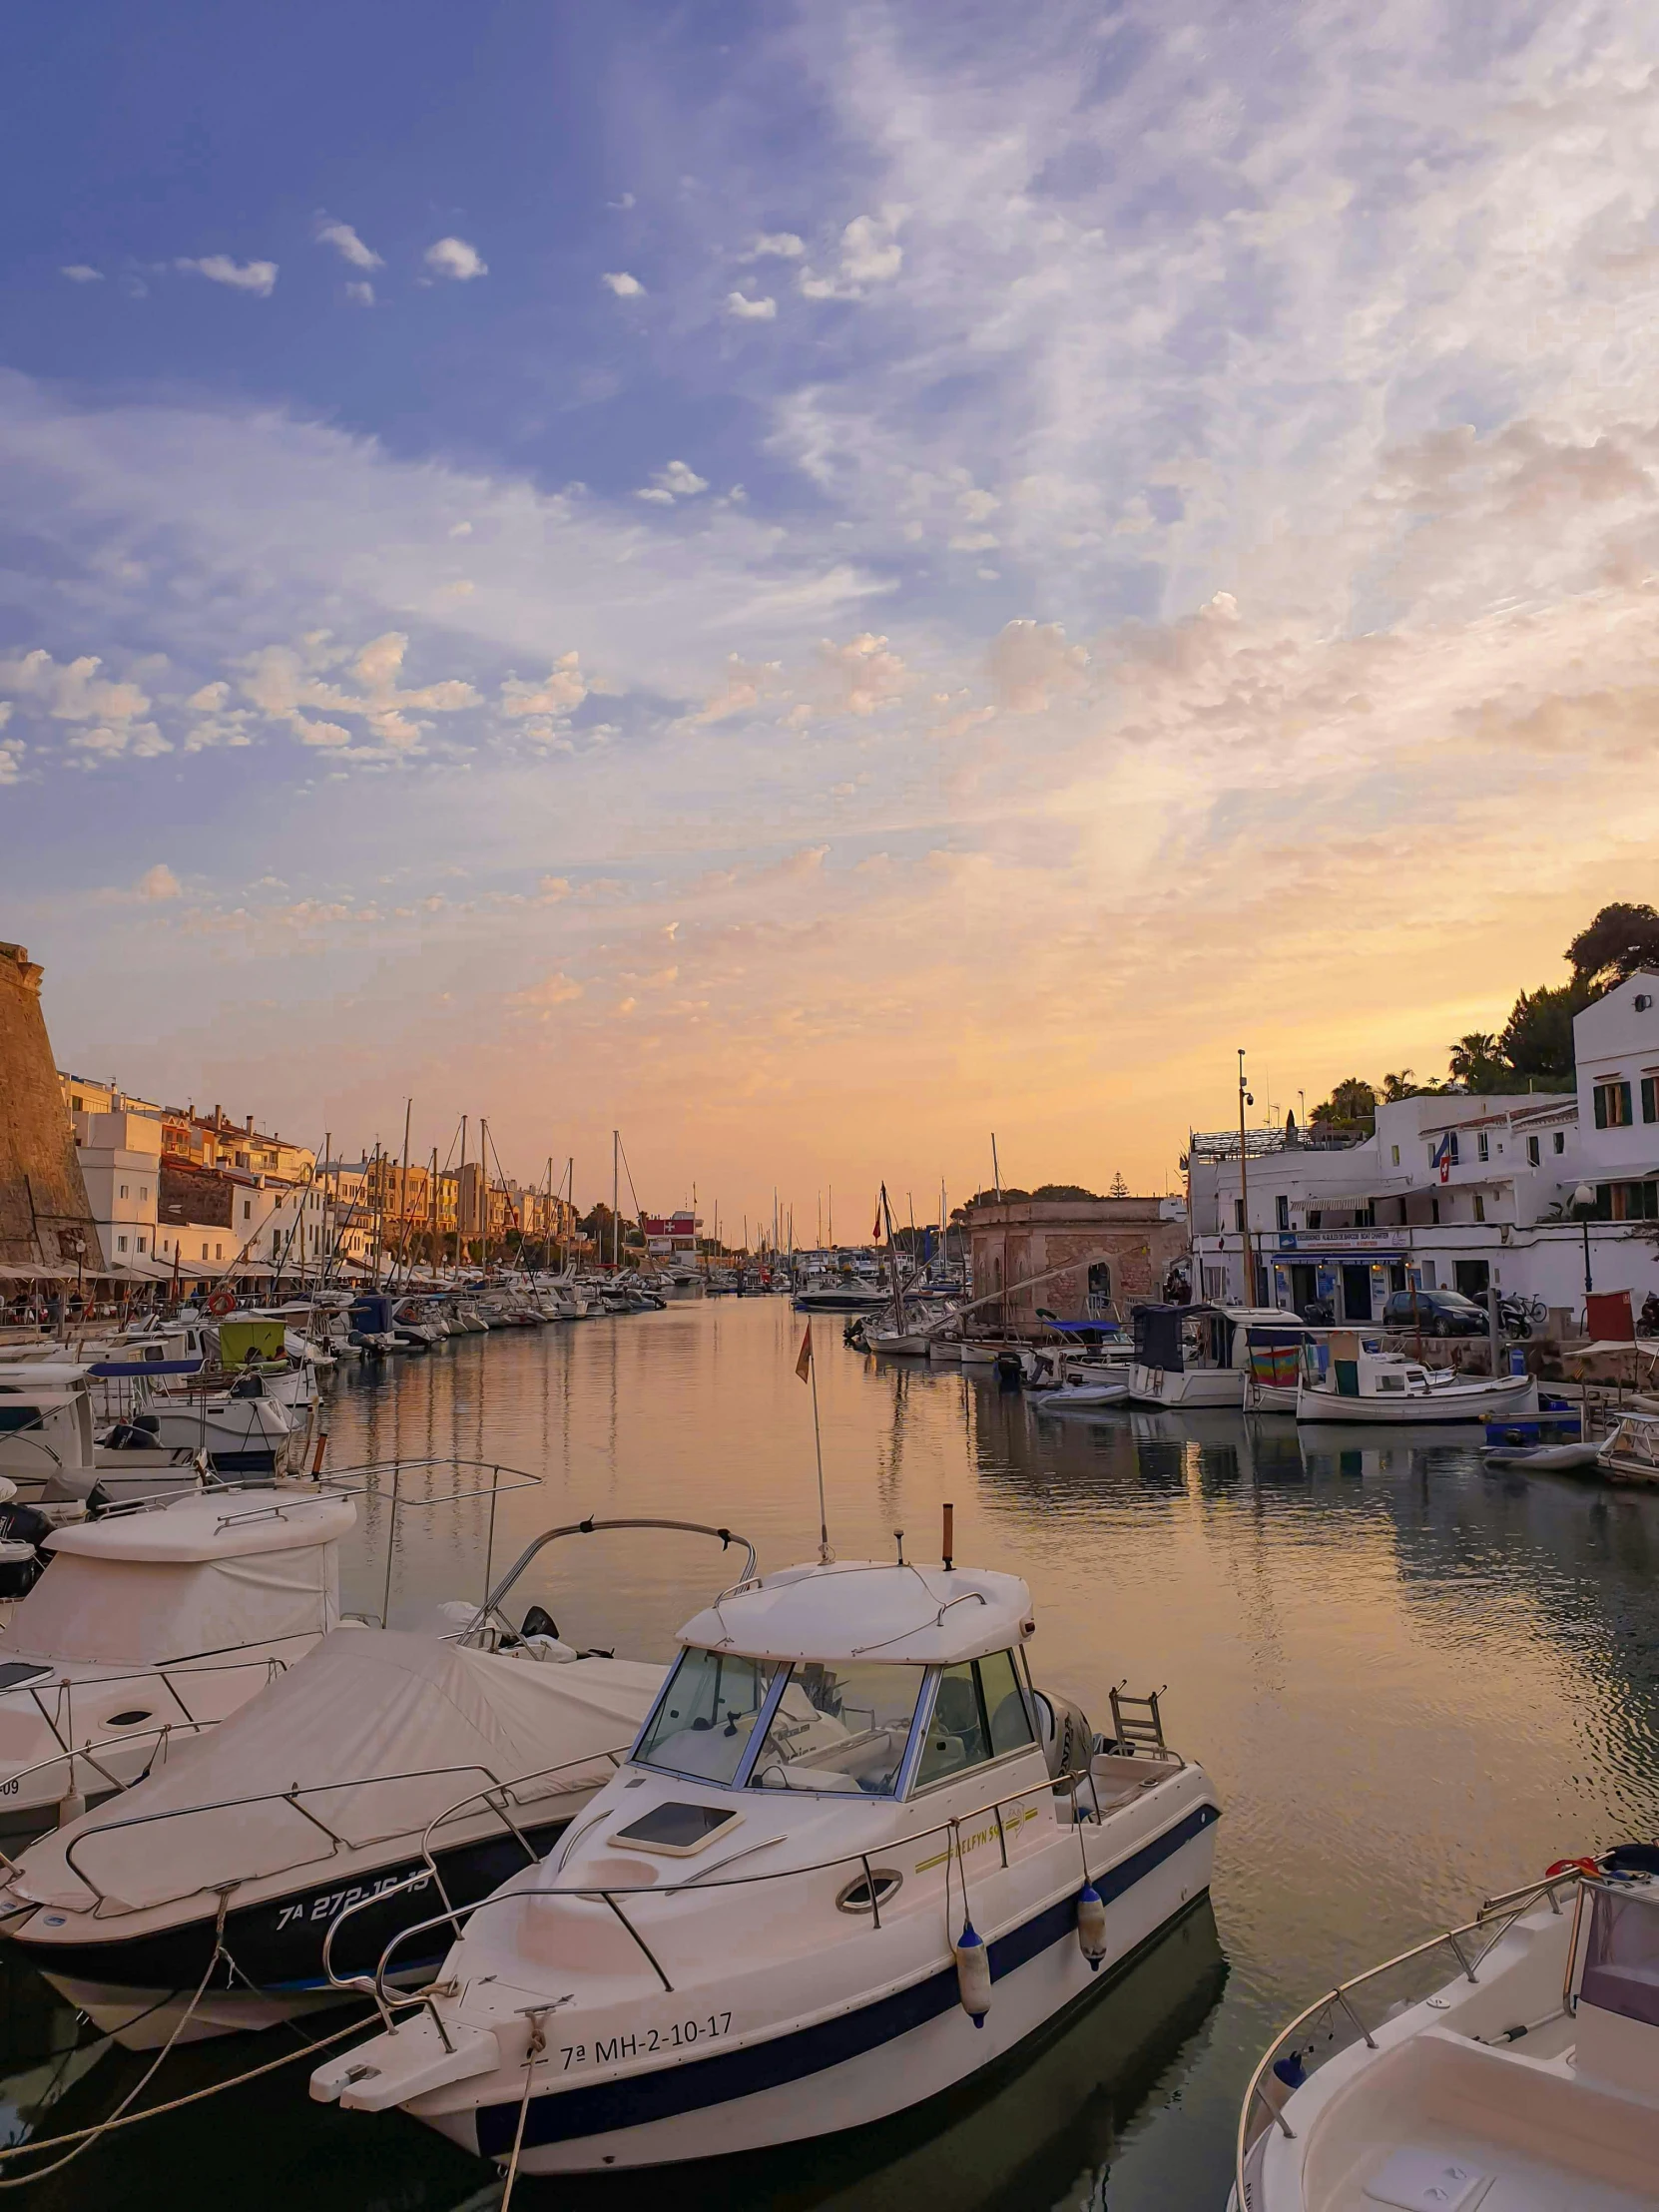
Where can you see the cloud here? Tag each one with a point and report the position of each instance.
(159, 882)
(258, 277)
(79, 273)
(455, 258)
(870, 255)
(563, 689)
(348, 244)
(623, 286)
(750, 310)
(555, 989)
(677, 481)
(861, 676)
(287, 682)
(360, 295)
(1031, 663)
(71, 691)
(745, 686)
(781, 246)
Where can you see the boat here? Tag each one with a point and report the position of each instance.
(1529, 2083)
(1275, 1354)
(1196, 1355)
(386, 1743)
(466, 1753)
(845, 1296)
(1565, 1458)
(1361, 1386)
(1081, 1392)
(151, 1625)
(853, 1859)
(1630, 1451)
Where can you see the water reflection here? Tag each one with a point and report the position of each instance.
(1413, 1682)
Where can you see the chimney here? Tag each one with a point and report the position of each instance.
(249, 1125)
(219, 1117)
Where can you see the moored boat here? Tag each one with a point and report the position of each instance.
(853, 1858)
(1359, 1386)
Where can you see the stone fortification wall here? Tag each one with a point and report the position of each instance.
(44, 1214)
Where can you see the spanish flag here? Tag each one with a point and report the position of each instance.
(804, 1366)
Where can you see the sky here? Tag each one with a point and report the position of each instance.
(810, 583)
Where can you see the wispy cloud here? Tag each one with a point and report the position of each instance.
(349, 247)
(258, 277)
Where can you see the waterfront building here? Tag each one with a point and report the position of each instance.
(1080, 1259)
(1461, 1192)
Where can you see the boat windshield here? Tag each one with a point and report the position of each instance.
(705, 1714)
(841, 1725)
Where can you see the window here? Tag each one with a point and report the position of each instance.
(143, 1190)
(1394, 1154)
(1434, 1212)
(248, 1208)
(1650, 1098)
(204, 1252)
(1560, 1140)
(121, 1244)
(1612, 1105)
(1627, 1200)
(1315, 1218)
(1483, 1146)
(124, 1190)
(1479, 1207)
(1451, 1148)
(77, 1105)
(1238, 1213)
(1532, 1152)
(143, 1244)
(1282, 1208)
(978, 1714)
(1005, 1706)
(218, 1252)
(841, 1726)
(703, 1718)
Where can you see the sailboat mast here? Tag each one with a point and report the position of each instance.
(616, 1199)
(460, 1199)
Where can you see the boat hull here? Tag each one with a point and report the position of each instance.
(856, 2065)
(1455, 1403)
(137, 1988)
(1175, 1388)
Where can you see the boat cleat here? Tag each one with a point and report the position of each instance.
(406, 2061)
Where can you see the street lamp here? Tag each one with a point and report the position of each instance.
(1584, 1206)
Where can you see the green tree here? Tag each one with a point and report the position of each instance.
(1475, 1062)
(1536, 1043)
(1621, 939)
(1048, 1192)
(1352, 1103)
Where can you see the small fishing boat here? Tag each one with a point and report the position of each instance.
(1529, 2083)
(1630, 1451)
(1079, 1392)
(1361, 1386)
(148, 1626)
(853, 1858)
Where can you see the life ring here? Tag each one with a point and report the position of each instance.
(1567, 1865)
(222, 1303)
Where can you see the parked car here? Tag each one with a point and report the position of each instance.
(1436, 1313)
(1319, 1313)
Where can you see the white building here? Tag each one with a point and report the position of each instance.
(121, 1163)
(1454, 1192)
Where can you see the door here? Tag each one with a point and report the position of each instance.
(1304, 1286)
(1471, 1277)
(1357, 1293)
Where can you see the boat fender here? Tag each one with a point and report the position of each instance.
(973, 1974)
(1565, 1866)
(1091, 1925)
(70, 1807)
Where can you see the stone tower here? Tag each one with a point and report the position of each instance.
(44, 1216)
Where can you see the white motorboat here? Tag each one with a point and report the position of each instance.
(853, 1859)
(1188, 1355)
(151, 1625)
(50, 1444)
(1359, 1386)
(1081, 1393)
(1630, 1451)
(245, 1431)
(319, 1791)
(1529, 2083)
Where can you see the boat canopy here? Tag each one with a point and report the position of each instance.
(206, 1574)
(1158, 1334)
(870, 1609)
(377, 1731)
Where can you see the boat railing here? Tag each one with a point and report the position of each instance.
(593, 1527)
(1492, 1923)
(163, 1733)
(164, 1673)
(1084, 1813)
(337, 1842)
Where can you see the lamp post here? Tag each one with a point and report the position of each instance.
(1584, 1206)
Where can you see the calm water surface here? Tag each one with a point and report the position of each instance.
(1413, 1682)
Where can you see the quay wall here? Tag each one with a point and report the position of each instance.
(45, 1219)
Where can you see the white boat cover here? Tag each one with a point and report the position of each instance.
(205, 1574)
(432, 1722)
(870, 1609)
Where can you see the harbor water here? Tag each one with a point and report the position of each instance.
(1413, 1682)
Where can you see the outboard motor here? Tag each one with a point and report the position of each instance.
(141, 1433)
(22, 1531)
(1068, 1740)
(1009, 1374)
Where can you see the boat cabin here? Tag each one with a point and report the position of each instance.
(1182, 1340)
(855, 1679)
(46, 1423)
(1351, 1368)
